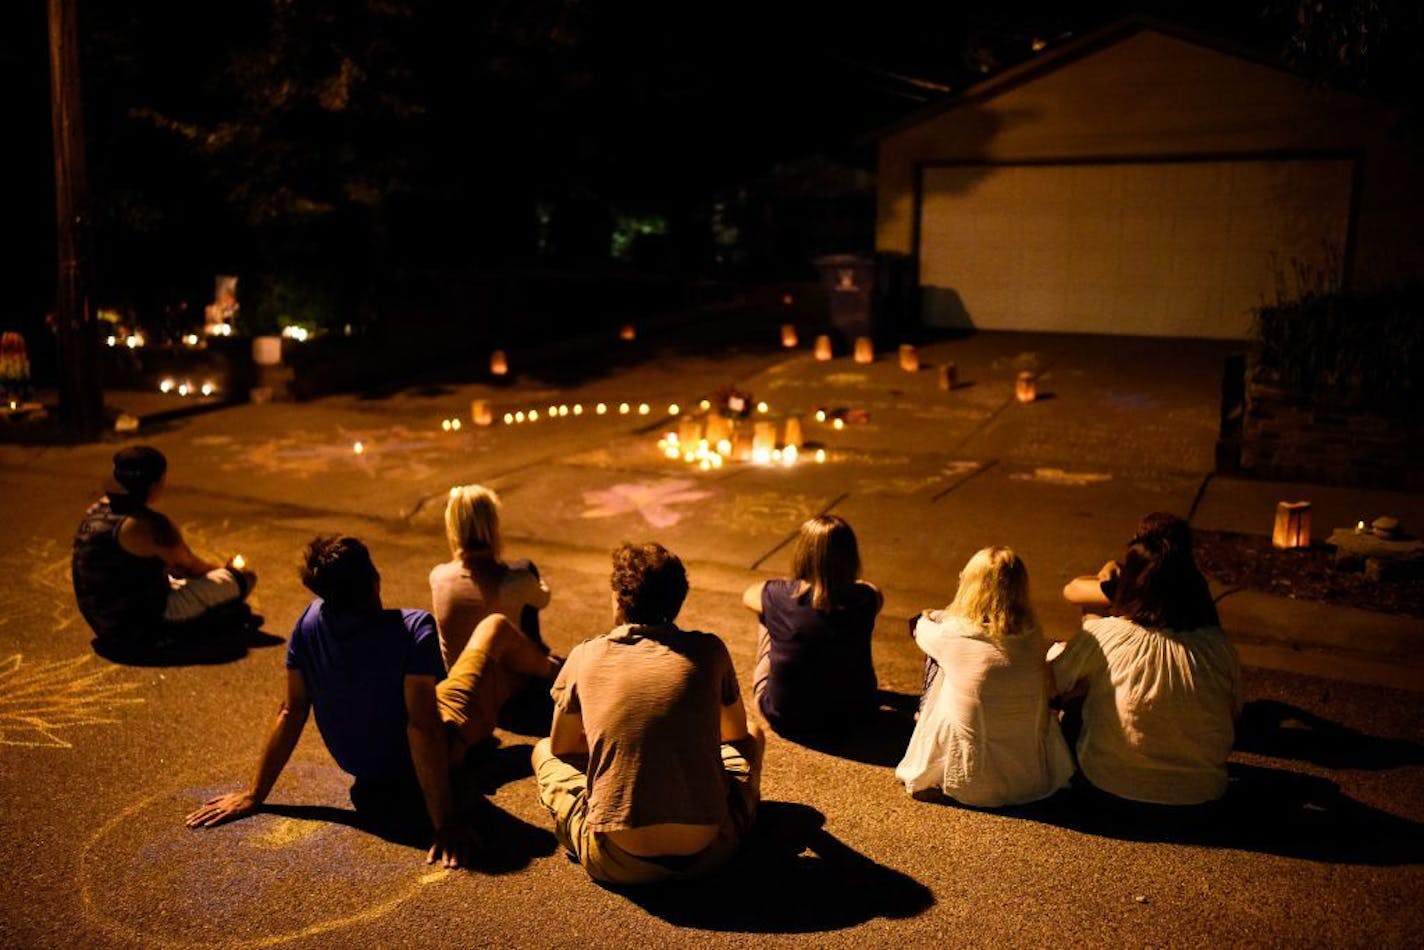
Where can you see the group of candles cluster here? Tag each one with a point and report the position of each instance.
(710, 442)
(187, 388)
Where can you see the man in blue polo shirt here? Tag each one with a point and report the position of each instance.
(372, 676)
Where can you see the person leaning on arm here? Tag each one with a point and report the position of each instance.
(387, 713)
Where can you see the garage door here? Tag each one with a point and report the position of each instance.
(1152, 249)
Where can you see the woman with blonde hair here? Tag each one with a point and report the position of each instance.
(814, 676)
(985, 736)
(476, 582)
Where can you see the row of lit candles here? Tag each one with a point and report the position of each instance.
(707, 457)
(603, 408)
(186, 388)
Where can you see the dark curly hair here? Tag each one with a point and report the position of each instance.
(1160, 584)
(649, 583)
(339, 571)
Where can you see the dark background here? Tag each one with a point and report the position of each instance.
(359, 162)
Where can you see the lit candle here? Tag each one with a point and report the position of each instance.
(909, 359)
(628, 332)
(644, 409)
(788, 335)
(183, 389)
(671, 452)
(705, 465)
(519, 416)
(578, 408)
(838, 424)
(1359, 527)
(673, 409)
(764, 437)
(499, 363)
(533, 415)
(455, 424)
(864, 350)
(792, 438)
(948, 377)
(623, 408)
(208, 388)
(1026, 387)
(553, 411)
(480, 412)
(788, 455)
(508, 418)
(705, 404)
(716, 461)
(763, 407)
(761, 456)
(820, 455)
(1292, 527)
(359, 449)
(823, 347)
(724, 447)
(238, 561)
(820, 415)
(166, 386)
(445, 424)
(601, 408)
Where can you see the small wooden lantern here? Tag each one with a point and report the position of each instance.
(788, 335)
(909, 359)
(823, 347)
(864, 350)
(480, 413)
(948, 377)
(1026, 389)
(1292, 525)
(628, 332)
(792, 438)
(499, 364)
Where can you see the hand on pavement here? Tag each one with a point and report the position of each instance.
(224, 808)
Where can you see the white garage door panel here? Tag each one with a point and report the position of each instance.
(1156, 249)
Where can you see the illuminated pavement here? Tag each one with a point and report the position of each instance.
(99, 763)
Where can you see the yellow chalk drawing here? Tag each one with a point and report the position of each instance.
(37, 701)
(281, 832)
(49, 575)
(99, 909)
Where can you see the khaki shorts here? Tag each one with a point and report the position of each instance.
(563, 789)
(472, 695)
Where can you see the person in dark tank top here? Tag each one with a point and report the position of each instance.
(814, 675)
(136, 580)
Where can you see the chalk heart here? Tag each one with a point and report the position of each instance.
(145, 878)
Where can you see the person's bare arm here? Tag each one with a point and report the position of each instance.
(734, 721)
(430, 751)
(751, 597)
(1087, 591)
(286, 730)
(566, 735)
(137, 536)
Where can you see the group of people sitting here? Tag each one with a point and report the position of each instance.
(652, 768)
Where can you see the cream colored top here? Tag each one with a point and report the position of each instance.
(1159, 717)
(985, 735)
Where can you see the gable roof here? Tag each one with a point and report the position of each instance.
(1069, 52)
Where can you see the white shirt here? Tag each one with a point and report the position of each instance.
(1159, 717)
(985, 734)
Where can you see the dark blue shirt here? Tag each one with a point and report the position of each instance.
(822, 678)
(355, 663)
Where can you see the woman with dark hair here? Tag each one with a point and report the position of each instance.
(135, 577)
(1172, 537)
(814, 675)
(1161, 682)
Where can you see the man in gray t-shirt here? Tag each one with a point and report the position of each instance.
(651, 770)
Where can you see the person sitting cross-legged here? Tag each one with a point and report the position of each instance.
(137, 582)
(386, 711)
(651, 771)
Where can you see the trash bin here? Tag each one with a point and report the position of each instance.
(869, 295)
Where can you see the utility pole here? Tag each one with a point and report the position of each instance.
(81, 402)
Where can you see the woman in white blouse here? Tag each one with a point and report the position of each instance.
(985, 735)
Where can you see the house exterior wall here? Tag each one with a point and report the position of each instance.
(1151, 96)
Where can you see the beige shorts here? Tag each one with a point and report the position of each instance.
(563, 789)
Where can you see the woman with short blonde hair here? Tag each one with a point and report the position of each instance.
(985, 735)
(476, 582)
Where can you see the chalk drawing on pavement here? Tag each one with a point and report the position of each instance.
(1057, 476)
(229, 885)
(38, 701)
(653, 501)
(395, 452)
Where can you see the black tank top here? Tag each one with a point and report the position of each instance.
(120, 594)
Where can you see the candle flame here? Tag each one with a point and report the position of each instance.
(359, 448)
(238, 561)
